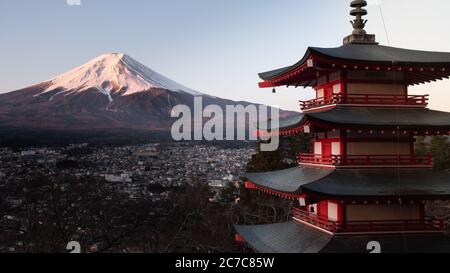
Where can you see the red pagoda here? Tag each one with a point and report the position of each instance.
(363, 182)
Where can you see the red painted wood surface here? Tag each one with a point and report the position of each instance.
(366, 160)
(427, 224)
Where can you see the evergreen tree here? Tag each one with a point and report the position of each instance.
(439, 147)
(284, 157)
(421, 147)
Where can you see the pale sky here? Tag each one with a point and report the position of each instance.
(213, 46)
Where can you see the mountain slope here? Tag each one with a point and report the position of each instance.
(113, 91)
(115, 72)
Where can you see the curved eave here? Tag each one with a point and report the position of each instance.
(293, 237)
(286, 195)
(274, 74)
(285, 126)
(303, 72)
(376, 183)
(377, 117)
(422, 66)
(351, 117)
(289, 237)
(352, 183)
(288, 181)
(385, 54)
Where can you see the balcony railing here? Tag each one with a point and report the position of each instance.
(369, 99)
(427, 224)
(317, 159)
(367, 160)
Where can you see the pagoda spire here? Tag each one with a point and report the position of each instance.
(359, 35)
(358, 23)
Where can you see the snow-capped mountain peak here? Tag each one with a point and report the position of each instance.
(115, 72)
(111, 93)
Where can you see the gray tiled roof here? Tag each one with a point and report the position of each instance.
(287, 237)
(388, 182)
(380, 53)
(368, 53)
(293, 237)
(356, 182)
(284, 123)
(351, 116)
(289, 180)
(384, 117)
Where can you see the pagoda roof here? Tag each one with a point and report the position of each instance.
(384, 117)
(289, 180)
(287, 237)
(369, 117)
(294, 237)
(383, 183)
(355, 182)
(360, 54)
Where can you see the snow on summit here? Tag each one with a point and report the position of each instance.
(113, 72)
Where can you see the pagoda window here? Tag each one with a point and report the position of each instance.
(376, 83)
(337, 88)
(372, 76)
(336, 148)
(333, 211)
(320, 93)
(328, 89)
(375, 89)
(383, 212)
(335, 76)
(327, 148)
(327, 210)
(318, 148)
(378, 148)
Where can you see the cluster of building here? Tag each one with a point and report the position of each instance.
(141, 170)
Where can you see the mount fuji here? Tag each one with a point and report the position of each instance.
(112, 91)
(113, 74)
